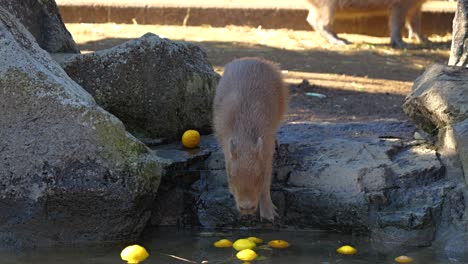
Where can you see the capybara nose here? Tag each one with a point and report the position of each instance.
(247, 210)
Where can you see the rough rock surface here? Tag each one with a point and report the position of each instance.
(439, 104)
(378, 181)
(43, 20)
(69, 172)
(157, 87)
(461, 140)
(439, 98)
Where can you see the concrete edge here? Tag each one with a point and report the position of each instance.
(430, 7)
(268, 18)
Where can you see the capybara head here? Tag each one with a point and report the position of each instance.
(245, 174)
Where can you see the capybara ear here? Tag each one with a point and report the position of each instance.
(232, 149)
(259, 147)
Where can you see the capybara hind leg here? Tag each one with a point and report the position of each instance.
(321, 20)
(414, 26)
(397, 21)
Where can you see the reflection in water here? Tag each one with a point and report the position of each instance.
(306, 247)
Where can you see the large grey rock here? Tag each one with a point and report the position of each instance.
(43, 20)
(69, 172)
(439, 104)
(327, 176)
(439, 98)
(157, 87)
(459, 50)
(366, 184)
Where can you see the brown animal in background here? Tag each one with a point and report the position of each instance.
(250, 102)
(322, 14)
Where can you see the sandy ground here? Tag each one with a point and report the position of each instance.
(364, 81)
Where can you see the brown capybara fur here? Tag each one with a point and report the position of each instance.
(250, 102)
(322, 14)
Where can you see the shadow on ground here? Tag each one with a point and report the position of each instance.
(341, 105)
(378, 61)
(360, 84)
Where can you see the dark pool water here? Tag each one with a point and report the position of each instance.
(306, 247)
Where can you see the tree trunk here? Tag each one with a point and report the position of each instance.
(459, 53)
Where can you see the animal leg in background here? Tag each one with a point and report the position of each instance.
(321, 18)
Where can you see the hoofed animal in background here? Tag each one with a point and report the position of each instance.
(322, 14)
(250, 102)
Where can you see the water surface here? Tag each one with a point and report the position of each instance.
(307, 247)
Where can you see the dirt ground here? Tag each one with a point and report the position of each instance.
(364, 81)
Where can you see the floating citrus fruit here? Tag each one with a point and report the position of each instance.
(404, 259)
(346, 250)
(256, 240)
(246, 255)
(223, 243)
(242, 244)
(190, 138)
(278, 244)
(134, 254)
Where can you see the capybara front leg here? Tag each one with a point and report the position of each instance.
(267, 208)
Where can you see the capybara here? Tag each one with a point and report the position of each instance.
(322, 13)
(250, 102)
